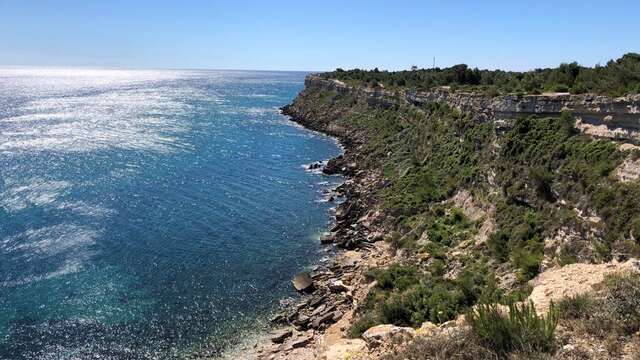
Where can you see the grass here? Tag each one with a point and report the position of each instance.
(519, 333)
(457, 346)
(613, 310)
(575, 306)
(519, 329)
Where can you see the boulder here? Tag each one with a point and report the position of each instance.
(337, 286)
(375, 237)
(281, 335)
(301, 341)
(319, 320)
(327, 239)
(279, 318)
(319, 310)
(303, 282)
(334, 166)
(302, 320)
(316, 301)
(381, 333)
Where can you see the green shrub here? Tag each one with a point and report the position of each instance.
(405, 297)
(561, 88)
(528, 263)
(448, 228)
(635, 228)
(575, 307)
(612, 311)
(522, 329)
(396, 311)
(397, 276)
(541, 179)
(623, 295)
(361, 325)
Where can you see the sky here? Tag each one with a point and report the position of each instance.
(316, 35)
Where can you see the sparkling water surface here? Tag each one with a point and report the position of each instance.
(150, 214)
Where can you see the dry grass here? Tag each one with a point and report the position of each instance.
(458, 345)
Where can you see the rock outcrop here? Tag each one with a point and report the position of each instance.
(381, 333)
(598, 115)
(572, 280)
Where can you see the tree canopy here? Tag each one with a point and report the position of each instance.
(618, 77)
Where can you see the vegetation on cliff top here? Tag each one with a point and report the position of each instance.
(617, 77)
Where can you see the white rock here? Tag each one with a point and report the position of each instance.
(381, 333)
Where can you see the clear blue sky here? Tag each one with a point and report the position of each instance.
(316, 35)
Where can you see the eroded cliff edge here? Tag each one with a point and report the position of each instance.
(612, 117)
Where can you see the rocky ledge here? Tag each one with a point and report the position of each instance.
(599, 115)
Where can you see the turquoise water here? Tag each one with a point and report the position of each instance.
(145, 214)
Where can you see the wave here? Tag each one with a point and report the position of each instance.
(66, 245)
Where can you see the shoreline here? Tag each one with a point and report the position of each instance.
(259, 343)
(320, 318)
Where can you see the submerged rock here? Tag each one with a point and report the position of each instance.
(280, 336)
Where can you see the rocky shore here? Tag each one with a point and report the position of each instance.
(329, 293)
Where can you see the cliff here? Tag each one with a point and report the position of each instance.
(454, 203)
(604, 115)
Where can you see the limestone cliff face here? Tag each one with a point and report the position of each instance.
(596, 114)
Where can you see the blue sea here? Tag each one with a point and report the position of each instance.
(151, 214)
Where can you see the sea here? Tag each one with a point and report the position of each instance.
(151, 214)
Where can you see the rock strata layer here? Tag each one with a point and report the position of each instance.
(612, 117)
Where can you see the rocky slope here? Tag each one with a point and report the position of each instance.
(452, 205)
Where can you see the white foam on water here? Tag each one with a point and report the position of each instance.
(84, 209)
(34, 191)
(69, 244)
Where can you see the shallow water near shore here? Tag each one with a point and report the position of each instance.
(150, 214)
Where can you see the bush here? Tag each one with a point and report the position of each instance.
(405, 297)
(459, 345)
(541, 179)
(361, 325)
(522, 329)
(623, 295)
(575, 307)
(397, 276)
(612, 311)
